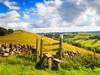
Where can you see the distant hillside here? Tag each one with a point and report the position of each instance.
(24, 37)
(98, 32)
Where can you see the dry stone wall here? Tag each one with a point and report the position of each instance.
(13, 49)
(68, 53)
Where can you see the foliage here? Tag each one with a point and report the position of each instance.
(42, 64)
(3, 31)
(10, 31)
(80, 62)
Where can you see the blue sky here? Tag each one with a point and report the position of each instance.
(50, 15)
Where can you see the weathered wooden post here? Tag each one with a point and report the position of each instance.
(49, 60)
(61, 44)
(41, 46)
(36, 49)
(94, 57)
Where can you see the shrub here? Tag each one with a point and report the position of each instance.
(10, 31)
(82, 61)
(3, 31)
(42, 64)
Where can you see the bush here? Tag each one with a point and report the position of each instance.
(10, 31)
(67, 65)
(42, 64)
(3, 31)
(82, 61)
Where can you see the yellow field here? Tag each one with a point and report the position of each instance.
(23, 37)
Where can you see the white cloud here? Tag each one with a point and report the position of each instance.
(9, 17)
(26, 16)
(48, 8)
(70, 11)
(10, 5)
(59, 13)
(65, 15)
(47, 12)
(18, 25)
(12, 20)
(31, 11)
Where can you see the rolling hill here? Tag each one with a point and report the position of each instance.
(24, 37)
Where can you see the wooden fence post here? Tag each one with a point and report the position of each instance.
(41, 46)
(37, 49)
(61, 44)
(94, 57)
(49, 60)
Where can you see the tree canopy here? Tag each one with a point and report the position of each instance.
(4, 31)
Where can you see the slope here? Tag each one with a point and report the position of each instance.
(23, 37)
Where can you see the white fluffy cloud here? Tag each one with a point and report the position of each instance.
(48, 8)
(12, 20)
(9, 16)
(47, 12)
(26, 16)
(70, 10)
(18, 25)
(10, 5)
(74, 15)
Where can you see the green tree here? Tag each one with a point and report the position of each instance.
(3, 31)
(10, 31)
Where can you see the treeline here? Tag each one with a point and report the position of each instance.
(52, 35)
(4, 31)
(96, 49)
(95, 37)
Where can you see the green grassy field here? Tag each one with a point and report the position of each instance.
(96, 44)
(15, 65)
(84, 40)
(87, 42)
